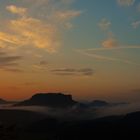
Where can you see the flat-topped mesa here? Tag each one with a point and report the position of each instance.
(49, 99)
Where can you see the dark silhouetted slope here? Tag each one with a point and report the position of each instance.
(99, 103)
(49, 99)
(112, 127)
(2, 101)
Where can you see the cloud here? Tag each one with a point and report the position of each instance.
(136, 24)
(32, 30)
(138, 7)
(16, 10)
(43, 63)
(110, 43)
(104, 24)
(9, 63)
(27, 31)
(67, 14)
(93, 53)
(8, 60)
(5, 37)
(112, 48)
(67, 1)
(126, 2)
(73, 71)
(15, 70)
(42, 66)
(99, 57)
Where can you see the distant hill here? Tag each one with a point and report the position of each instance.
(49, 99)
(102, 103)
(99, 103)
(3, 101)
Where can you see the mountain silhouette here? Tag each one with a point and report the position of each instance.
(3, 101)
(102, 103)
(49, 99)
(99, 103)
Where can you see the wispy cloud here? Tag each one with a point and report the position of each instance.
(136, 24)
(138, 7)
(17, 10)
(29, 30)
(65, 16)
(93, 53)
(110, 43)
(42, 66)
(104, 24)
(14, 70)
(113, 48)
(43, 63)
(126, 2)
(73, 71)
(9, 63)
(7, 38)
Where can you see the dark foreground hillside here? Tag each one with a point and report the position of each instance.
(26, 125)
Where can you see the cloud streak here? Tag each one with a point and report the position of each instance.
(113, 48)
(73, 72)
(110, 43)
(126, 2)
(93, 53)
(104, 24)
(16, 10)
(136, 24)
(9, 63)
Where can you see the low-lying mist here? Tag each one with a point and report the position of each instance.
(78, 113)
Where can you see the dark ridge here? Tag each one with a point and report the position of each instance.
(2, 101)
(112, 127)
(20, 117)
(49, 99)
(99, 103)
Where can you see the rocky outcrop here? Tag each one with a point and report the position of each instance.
(49, 99)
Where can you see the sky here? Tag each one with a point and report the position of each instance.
(89, 49)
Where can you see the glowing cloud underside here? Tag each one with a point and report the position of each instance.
(26, 30)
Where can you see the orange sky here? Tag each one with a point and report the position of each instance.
(75, 47)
